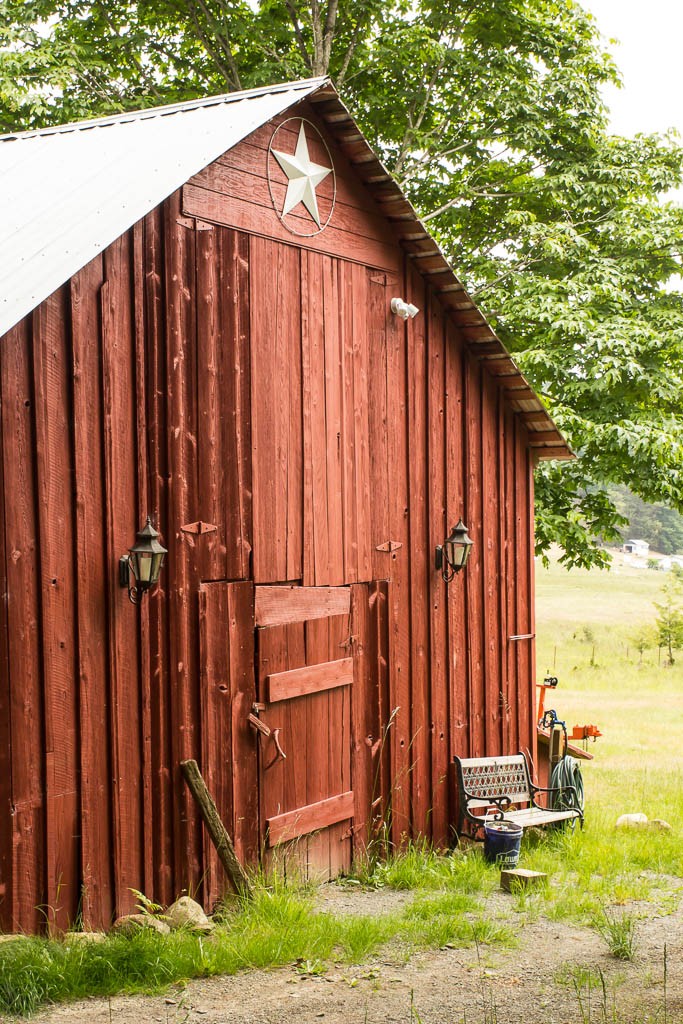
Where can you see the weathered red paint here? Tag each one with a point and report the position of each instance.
(213, 368)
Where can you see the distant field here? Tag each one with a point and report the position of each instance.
(587, 623)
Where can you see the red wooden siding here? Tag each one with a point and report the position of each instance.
(302, 451)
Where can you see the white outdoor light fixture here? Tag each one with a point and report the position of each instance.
(404, 309)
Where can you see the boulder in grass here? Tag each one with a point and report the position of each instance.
(187, 913)
(641, 821)
(84, 937)
(132, 922)
(638, 820)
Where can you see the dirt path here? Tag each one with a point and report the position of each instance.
(446, 986)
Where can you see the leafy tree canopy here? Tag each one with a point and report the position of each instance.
(489, 114)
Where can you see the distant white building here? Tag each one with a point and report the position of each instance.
(667, 563)
(641, 548)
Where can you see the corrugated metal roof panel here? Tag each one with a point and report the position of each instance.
(67, 193)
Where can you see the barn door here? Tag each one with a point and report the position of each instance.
(294, 709)
(304, 678)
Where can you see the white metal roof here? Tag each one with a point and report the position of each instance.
(66, 193)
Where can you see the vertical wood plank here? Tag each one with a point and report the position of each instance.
(399, 597)
(337, 493)
(425, 803)
(143, 510)
(119, 389)
(218, 503)
(217, 755)
(522, 571)
(491, 511)
(183, 585)
(242, 696)
(474, 573)
(316, 532)
(159, 683)
(91, 574)
(6, 830)
(503, 582)
(348, 344)
(277, 469)
(339, 745)
(458, 682)
(363, 440)
(443, 439)
(54, 465)
(23, 619)
(378, 315)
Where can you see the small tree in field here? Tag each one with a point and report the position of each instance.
(643, 639)
(669, 622)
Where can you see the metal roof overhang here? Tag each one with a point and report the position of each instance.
(68, 192)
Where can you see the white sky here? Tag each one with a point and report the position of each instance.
(649, 55)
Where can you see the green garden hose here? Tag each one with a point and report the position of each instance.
(565, 774)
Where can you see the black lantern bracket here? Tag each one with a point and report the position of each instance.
(452, 555)
(139, 569)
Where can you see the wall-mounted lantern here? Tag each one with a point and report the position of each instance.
(139, 569)
(452, 555)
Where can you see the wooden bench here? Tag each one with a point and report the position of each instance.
(501, 787)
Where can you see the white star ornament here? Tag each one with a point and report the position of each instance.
(303, 177)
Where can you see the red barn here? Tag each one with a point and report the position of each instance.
(197, 325)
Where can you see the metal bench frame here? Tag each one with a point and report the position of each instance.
(496, 787)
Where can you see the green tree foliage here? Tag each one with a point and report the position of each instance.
(489, 114)
(669, 621)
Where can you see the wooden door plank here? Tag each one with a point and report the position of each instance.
(339, 746)
(304, 820)
(297, 745)
(217, 754)
(279, 605)
(91, 571)
(242, 697)
(319, 732)
(300, 682)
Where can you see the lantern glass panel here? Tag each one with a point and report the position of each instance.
(144, 562)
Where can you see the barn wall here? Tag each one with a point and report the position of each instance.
(319, 440)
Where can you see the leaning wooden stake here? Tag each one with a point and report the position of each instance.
(216, 829)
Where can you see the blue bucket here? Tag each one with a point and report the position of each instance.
(502, 840)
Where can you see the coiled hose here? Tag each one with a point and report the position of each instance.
(565, 774)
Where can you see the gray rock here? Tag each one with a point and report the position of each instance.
(187, 913)
(131, 922)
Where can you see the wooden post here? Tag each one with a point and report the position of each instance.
(216, 829)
